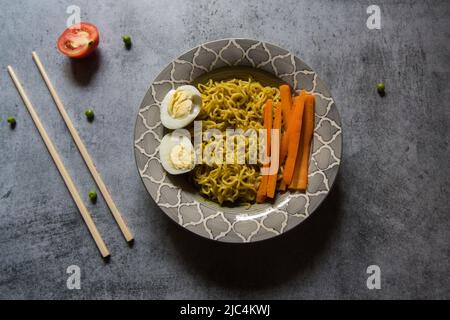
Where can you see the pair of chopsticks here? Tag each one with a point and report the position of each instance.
(60, 165)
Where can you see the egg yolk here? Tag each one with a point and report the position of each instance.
(181, 157)
(181, 104)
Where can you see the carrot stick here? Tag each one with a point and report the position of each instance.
(298, 160)
(286, 103)
(261, 193)
(275, 152)
(268, 123)
(300, 178)
(284, 146)
(262, 189)
(282, 186)
(308, 119)
(294, 129)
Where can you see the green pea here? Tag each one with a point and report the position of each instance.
(89, 114)
(12, 121)
(127, 41)
(92, 196)
(381, 88)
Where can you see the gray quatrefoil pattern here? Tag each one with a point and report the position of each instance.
(180, 201)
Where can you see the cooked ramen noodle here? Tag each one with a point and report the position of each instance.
(232, 104)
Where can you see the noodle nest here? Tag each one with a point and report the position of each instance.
(231, 104)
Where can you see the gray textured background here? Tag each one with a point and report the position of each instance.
(390, 205)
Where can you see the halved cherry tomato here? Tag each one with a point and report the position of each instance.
(79, 40)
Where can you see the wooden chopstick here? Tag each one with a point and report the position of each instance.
(84, 153)
(62, 169)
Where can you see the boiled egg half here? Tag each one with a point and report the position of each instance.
(180, 107)
(176, 153)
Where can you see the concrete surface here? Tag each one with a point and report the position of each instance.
(390, 206)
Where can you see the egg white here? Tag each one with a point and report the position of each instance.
(168, 142)
(176, 123)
